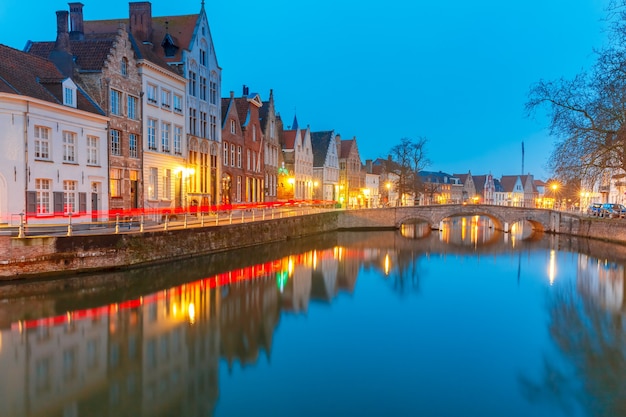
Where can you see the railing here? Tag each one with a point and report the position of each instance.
(153, 218)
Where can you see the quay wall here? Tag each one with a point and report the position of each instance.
(32, 257)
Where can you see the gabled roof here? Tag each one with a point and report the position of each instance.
(320, 142)
(508, 182)
(479, 181)
(289, 137)
(436, 177)
(243, 110)
(177, 29)
(90, 54)
(32, 76)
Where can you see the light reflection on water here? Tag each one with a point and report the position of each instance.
(462, 321)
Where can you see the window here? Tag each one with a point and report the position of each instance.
(166, 99)
(151, 93)
(253, 133)
(132, 107)
(232, 155)
(192, 83)
(69, 197)
(167, 184)
(203, 124)
(249, 159)
(193, 119)
(42, 142)
(153, 184)
(69, 97)
(152, 126)
(239, 156)
(69, 146)
(213, 128)
(213, 92)
(124, 67)
(178, 103)
(203, 57)
(93, 150)
(132, 145)
(202, 88)
(116, 102)
(165, 137)
(178, 140)
(116, 182)
(225, 156)
(233, 128)
(42, 188)
(115, 142)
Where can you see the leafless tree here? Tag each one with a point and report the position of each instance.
(588, 113)
(408, 158)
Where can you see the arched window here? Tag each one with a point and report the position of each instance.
(124, 67)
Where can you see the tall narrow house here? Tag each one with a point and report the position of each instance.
(104, 64)
(185, 43)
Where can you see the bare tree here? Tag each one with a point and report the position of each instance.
(588, 113)
(408, 158)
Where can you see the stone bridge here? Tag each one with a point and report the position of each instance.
(503, 217)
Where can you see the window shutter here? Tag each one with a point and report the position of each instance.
(58, 203)
(82, 202)
(31, 203)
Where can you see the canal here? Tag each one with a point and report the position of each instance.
(465, 321)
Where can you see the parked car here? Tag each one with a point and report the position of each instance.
(594, 209)
(612, 210)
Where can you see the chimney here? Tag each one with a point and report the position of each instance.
(77, 31)
(232, 94)
(369, 165)
(140, 21)
(246, 90)
(61, 55)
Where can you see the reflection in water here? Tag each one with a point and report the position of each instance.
(160, 353)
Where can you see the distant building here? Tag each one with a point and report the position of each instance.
(325, 165)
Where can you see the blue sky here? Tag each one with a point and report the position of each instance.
(452, 71)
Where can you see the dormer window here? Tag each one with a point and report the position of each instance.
(69, 93)
(169, 47)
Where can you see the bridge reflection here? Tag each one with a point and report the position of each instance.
(471, 231)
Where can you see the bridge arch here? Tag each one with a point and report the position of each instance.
(503, 217)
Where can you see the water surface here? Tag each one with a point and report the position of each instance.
(465, 321)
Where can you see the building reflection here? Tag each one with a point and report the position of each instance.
(159, 353)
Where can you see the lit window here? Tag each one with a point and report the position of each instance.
(116, 182)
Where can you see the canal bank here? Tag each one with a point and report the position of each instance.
(41, 256)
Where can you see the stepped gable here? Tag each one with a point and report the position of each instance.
(33, 76)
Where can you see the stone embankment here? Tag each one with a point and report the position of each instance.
(31, 257)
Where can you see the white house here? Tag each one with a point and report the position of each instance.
(54, 161)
